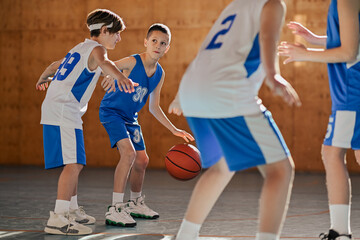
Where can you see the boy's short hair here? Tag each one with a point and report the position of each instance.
(159, 27)
(100, 17)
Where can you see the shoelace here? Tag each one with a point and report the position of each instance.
(82, 211)
(71, 221)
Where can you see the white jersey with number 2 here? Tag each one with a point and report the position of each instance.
(224, 78)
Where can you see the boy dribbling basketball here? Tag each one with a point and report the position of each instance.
(119, 113)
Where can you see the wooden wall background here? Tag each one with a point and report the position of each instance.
(33, 33)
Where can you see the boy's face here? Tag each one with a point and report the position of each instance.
(110, 39)
(157, 44)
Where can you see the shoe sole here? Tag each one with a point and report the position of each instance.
(119, 224)
(137, 215)
(58, 232)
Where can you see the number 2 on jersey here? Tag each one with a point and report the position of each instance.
(215, 45)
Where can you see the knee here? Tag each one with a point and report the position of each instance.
(73, 168)
(128, 156)
(141, 162)
(283, 172)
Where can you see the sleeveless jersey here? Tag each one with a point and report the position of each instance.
(224, 78)
(344, 78)
(72, 86)
(124, 105)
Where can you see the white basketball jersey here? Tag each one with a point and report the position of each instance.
(224, 78)
(72, 86)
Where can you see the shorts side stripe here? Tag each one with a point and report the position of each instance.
(68, 143)
(344, 128)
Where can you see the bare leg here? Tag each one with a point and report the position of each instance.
(207, 191)
(127, 156)
(68, 181)
(138, 171)
(337, 176)
(275, 195)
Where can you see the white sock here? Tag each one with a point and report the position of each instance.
(73, 203)
(61, 206)
(188, 231)
(340, 218)
(134, 195)
(266, 236)
(117, 198)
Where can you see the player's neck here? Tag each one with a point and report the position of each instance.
(148, 61)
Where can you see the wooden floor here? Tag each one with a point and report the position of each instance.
(28, 193)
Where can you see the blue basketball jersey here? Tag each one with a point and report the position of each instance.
(344, 78)
(120, 104)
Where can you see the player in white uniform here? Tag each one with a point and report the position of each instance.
(343, 132)
(73, 82)
(218, 95)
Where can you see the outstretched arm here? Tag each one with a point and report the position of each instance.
(349, 34)
(109, 68)
(272, 18)
(46, 76)
(155, 109)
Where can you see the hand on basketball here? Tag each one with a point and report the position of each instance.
(183, 134)
(42, 84)
(175, 107)
(279, 86)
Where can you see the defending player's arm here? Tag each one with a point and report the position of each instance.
(46, 76)
(272, 18)
(109, 68)
(348, 23)
(155, 109)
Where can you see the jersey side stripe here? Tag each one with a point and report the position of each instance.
(82, 84)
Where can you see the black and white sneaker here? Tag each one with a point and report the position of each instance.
(63, 224)
(334, 235)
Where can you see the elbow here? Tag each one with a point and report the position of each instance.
(351, 55)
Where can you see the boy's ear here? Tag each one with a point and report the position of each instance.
(145, 42)
(167, 49)
(103, 29)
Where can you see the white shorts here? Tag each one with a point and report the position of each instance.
(63, 145)
(343, 130)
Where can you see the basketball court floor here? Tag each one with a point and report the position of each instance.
(28, 193)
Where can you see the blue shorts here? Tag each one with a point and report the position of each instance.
(343, 130)
(244, 141)
(62, 146)
(118, 129)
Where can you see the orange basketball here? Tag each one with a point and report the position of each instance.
(182, 161)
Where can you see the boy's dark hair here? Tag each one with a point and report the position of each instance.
(159, 27)
(104, 17)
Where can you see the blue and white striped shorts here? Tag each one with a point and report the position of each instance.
(62, 146)
(343, 130)
(244, 141)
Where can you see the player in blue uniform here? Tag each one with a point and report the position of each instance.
(342, 55)
(74, 80)
(119, 113)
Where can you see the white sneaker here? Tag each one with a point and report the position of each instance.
(139, 209)
(64, 225)
(119, 216)
(81, 217)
